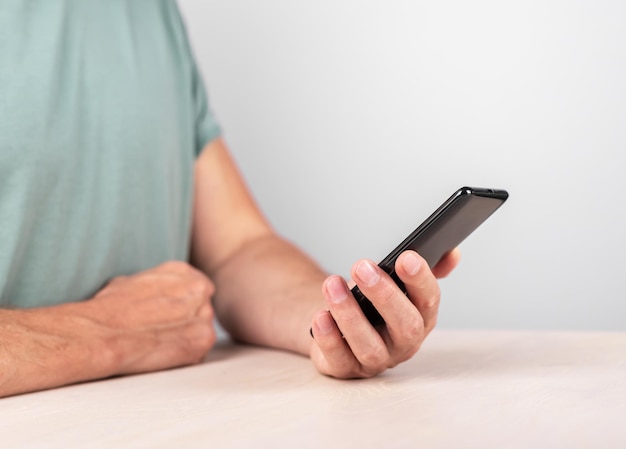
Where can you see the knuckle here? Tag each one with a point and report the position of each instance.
(414, 332)
(432, 302)
(201, 285)
(375, 357)
(384, 294)
(346, 312)
(421, 281)
(350, 315)
(175, 307)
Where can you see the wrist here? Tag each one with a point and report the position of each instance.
(99, 349)
(50, 347)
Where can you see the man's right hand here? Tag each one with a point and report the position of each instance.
(157, 319)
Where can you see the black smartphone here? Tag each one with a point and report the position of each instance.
(439, 234)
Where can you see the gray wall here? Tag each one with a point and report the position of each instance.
(353, 120)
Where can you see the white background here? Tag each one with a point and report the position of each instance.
(353, 120)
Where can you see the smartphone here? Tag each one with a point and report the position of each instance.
(439, 234)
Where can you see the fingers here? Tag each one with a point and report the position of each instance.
(172, 292)
(160, 318)
(349, 342)
(347, 345)
(197, 284)
(421, 285)
(165, 348)
(405, 325)
(336, 357)
(169, 344)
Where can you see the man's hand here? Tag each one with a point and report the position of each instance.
(348, 346)
(157, 319)
(268, 289)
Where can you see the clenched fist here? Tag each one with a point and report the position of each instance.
(157, 319)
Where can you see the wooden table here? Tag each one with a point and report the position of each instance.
(465, 389)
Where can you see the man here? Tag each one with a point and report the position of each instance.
(113, 176)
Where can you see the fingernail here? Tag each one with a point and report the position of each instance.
(336, 289)
(367, 273)
(324, 323)
(411, 263)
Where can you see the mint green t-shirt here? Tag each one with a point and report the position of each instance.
(102, 114)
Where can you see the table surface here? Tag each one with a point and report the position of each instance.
(464, 389)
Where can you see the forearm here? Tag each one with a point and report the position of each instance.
(156, 319)
(46, 348)
(267, 293)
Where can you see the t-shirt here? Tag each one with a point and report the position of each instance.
(102, 114)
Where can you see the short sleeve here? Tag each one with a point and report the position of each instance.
(206, 126)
